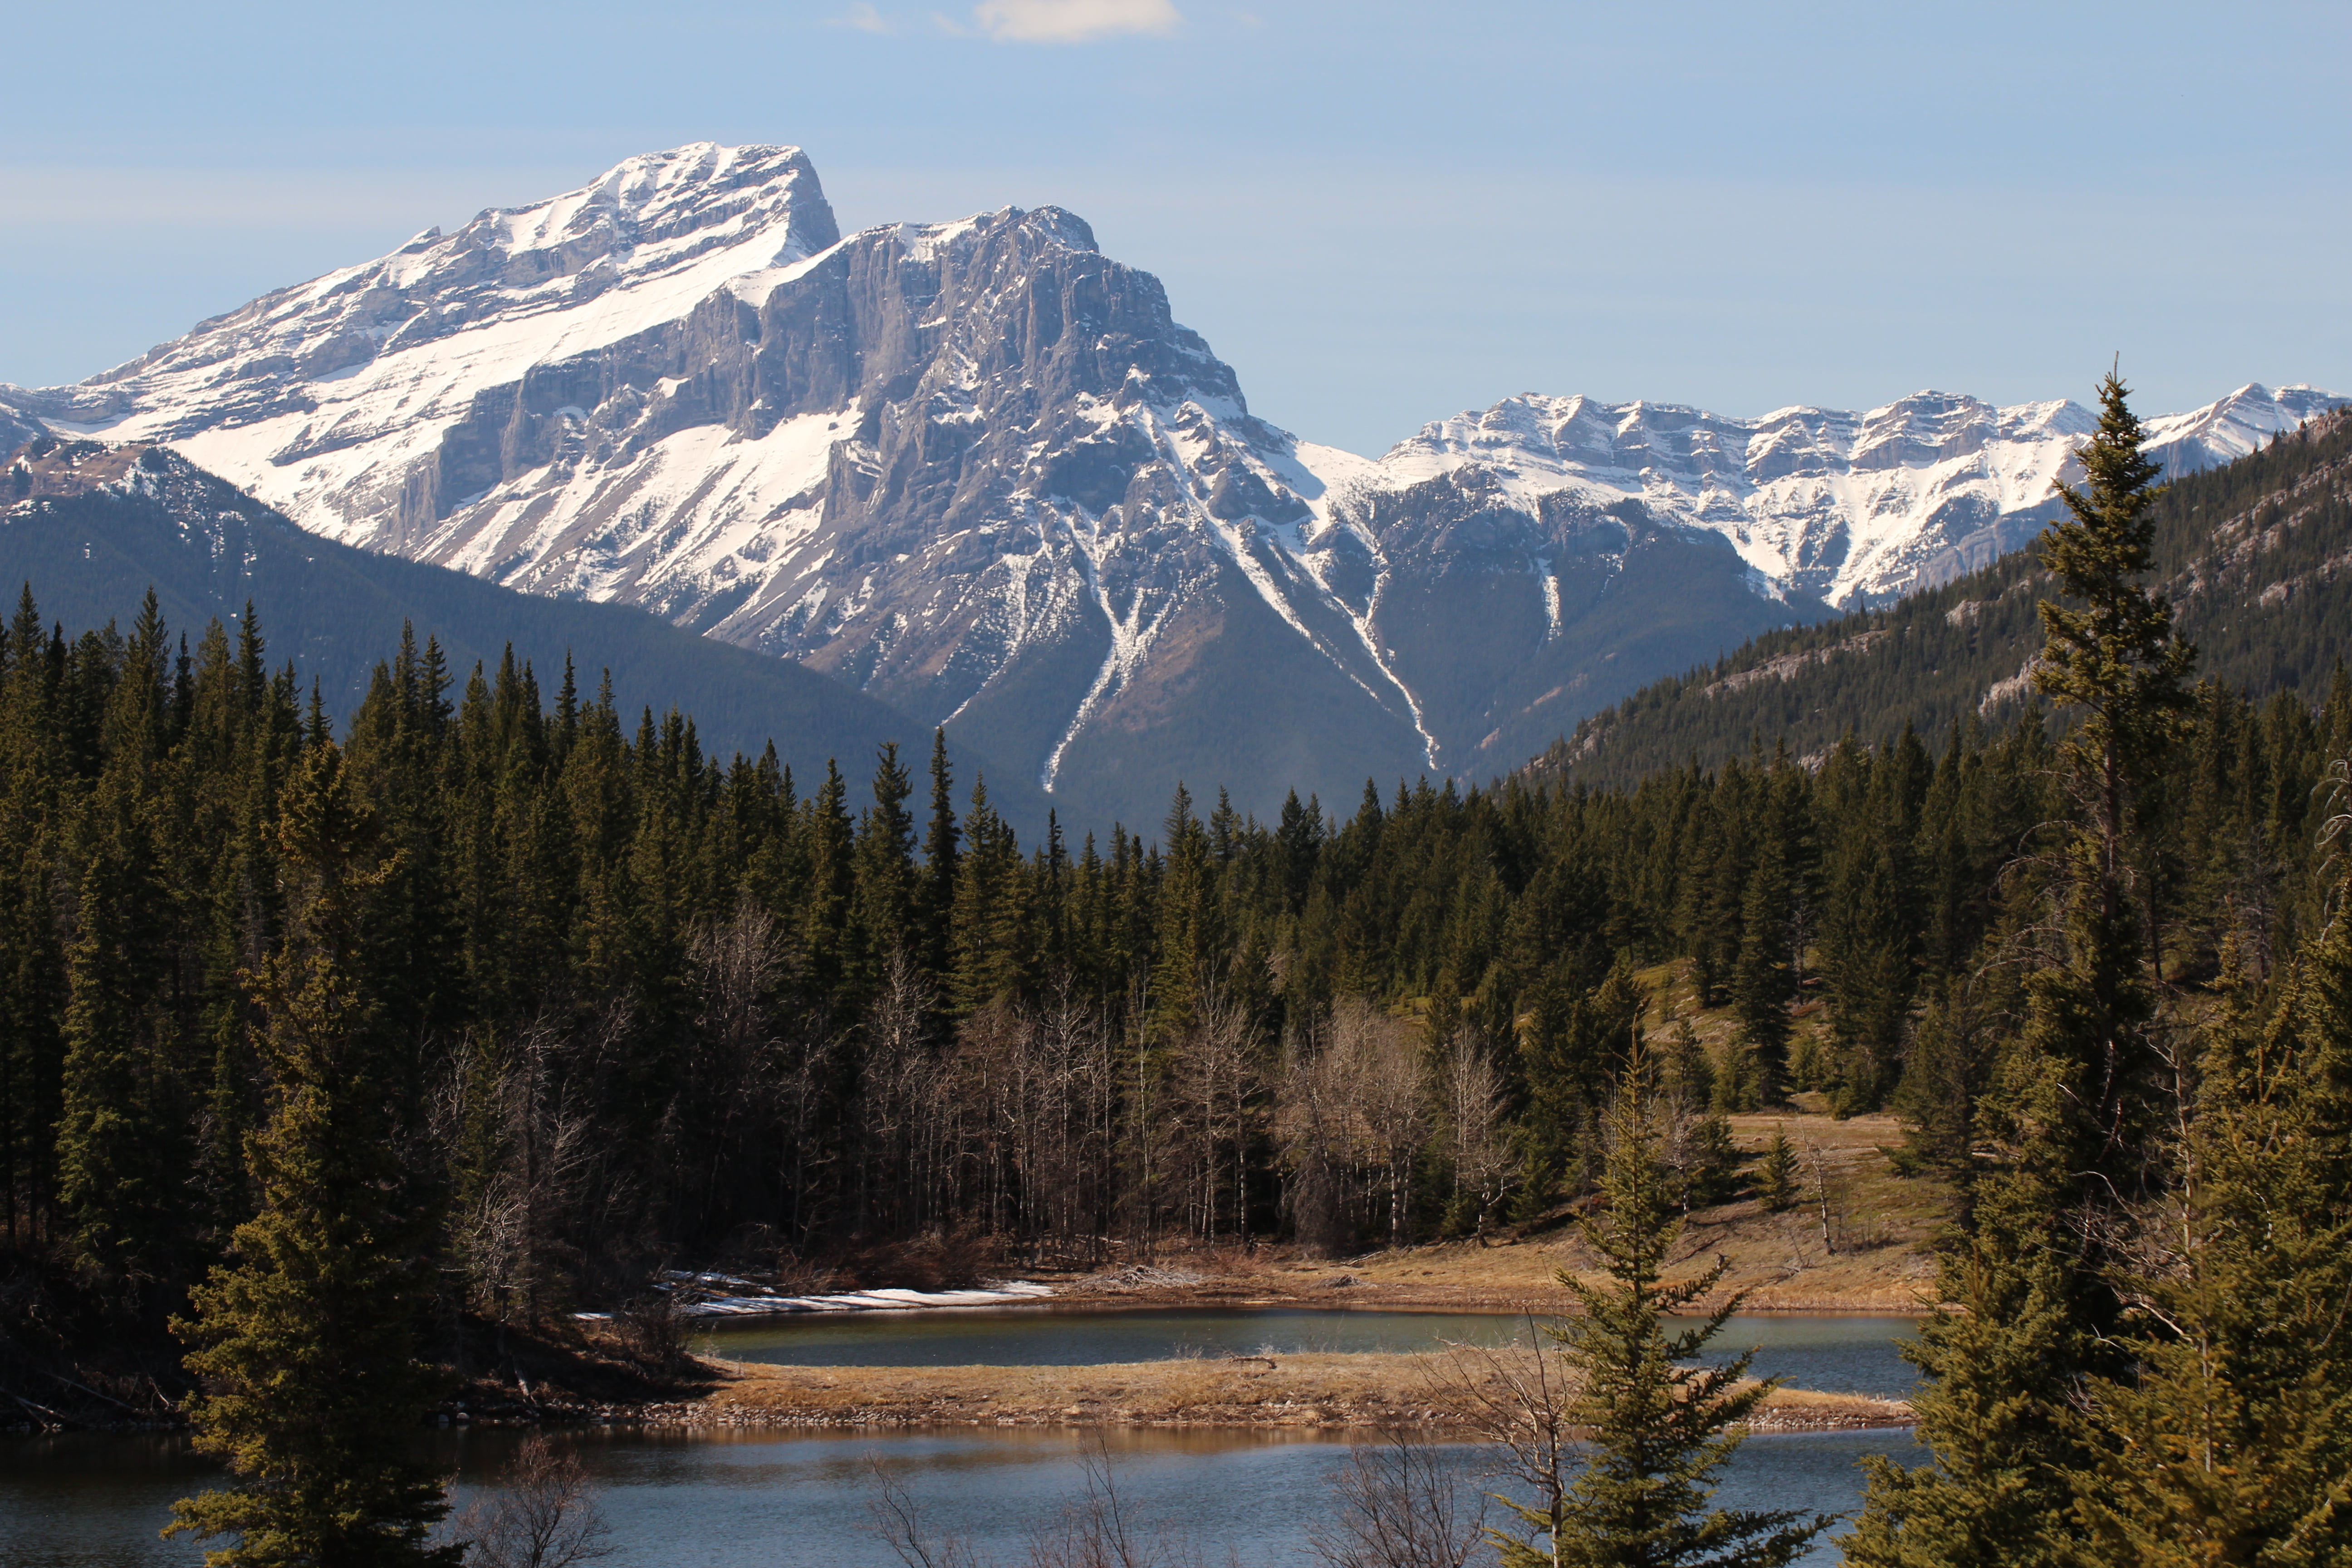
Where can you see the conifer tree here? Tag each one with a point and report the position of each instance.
(119, 1177)
(884, 893)
(306, 1339)
(122, 1151)
(2231, 1441)
(1776, 1174)
(942, 850)
(2070, 1105)
(1661, 1428)
(1571, 1046)
(1762, 982)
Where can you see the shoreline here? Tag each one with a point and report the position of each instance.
(1369, 1391)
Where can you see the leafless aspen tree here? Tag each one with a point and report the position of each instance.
(1476, 1143)
(536, 1150)
(1215, 1079)
(899, 1096)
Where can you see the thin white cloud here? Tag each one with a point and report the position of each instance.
(301, 200)
(864, 17)
(1073, 21)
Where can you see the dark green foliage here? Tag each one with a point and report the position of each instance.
(2231, 1441)
(1776, 1174)
(1660, 1427)
(2069, 1124)
(2242, 551)
(306, 1337)
(209, 548)
(1573, 1043)
(741, 1007)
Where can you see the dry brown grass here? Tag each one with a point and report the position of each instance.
(1869, 1254)
(1875, 1259)
(1307, 1391)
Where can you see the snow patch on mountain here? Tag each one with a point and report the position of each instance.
(1832, 503)
(977, 468)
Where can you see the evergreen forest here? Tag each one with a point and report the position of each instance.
(2246, 554)
(501, 1002)
(647, 1004)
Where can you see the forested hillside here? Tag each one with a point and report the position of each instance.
(646, 1003)
(94, 524)
(2252, 557)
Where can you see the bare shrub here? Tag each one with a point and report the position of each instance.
(798, 1276)
(894, 1517)
(1520, 1402)
(544, 1516)
(1397, 1507)
(1098, 1530)
(653, 1333)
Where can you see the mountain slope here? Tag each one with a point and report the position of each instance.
(977, 469)
(91, 527)
(2255, 557)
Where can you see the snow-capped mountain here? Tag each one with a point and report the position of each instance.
(1818, 500)
(95, 526)
(977, 469)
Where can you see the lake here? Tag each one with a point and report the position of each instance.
(1835, 1353)
(721, 1500)
(780, 1500)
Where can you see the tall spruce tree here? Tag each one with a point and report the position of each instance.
(306, 1339)
(941, 851)
(1661, 1428)
(2231, 1440)
(2071, 1110)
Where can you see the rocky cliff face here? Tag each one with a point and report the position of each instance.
(1843, 505)
(977, 469)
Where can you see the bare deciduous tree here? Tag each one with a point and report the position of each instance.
(533, 1153)
(1519, 1398)
(1214, 1078)
(1398, 1506)
(1478, 1140)
(1353, 1116)
(544, 1515)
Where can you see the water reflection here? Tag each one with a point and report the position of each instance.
(1841, 1354)
(717, 1500)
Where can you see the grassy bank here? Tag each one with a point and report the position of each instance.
(1309, 1390)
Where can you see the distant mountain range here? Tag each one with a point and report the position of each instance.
(92, 527)
(976, 471)
(2255, 557)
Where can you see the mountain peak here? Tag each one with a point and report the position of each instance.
(977, 470)
(660, 218)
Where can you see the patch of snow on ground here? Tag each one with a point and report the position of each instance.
(1004, 1293)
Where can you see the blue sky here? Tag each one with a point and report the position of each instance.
(1378, 213)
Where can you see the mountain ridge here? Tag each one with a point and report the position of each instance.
(2255, 557)
(977, 470)
(90, 527)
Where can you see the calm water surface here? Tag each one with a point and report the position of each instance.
(1840, 1354)
(780, 1501)
(775, 1500)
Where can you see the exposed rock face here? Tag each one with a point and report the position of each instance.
(1842, 506)
(16, 428)
(977, 469)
